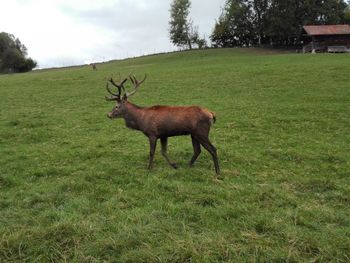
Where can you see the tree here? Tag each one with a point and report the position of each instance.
(182, 32)
(347, 14)
(277, 22)
(234, 27)
(179, 26)
(259, 19)
(195, 39)
(13, 55)
(333, 11)
(287, 17)
(222, 36)
(282, 22)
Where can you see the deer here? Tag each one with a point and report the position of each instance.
(161, 122)
(93, 65)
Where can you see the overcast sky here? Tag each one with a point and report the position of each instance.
(72, 32)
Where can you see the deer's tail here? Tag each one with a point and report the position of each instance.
(214, 116)
(211, 116)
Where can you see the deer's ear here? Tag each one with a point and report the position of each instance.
(124, 98)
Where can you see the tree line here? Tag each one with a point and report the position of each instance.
(13, 55)
(256, 22)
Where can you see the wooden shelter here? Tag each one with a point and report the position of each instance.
(327, 38)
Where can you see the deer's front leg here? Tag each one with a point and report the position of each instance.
(164, 142)
(152, 149)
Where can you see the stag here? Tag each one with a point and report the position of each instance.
(161, 122)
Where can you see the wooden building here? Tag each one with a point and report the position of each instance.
(326, 38)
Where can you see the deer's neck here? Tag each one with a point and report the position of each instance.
(133, 117)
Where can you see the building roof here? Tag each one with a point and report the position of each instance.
(314, 30)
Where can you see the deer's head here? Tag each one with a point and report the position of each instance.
(121, 99)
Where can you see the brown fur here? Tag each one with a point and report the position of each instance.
(161, 122)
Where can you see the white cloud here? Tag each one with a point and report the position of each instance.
(70, 32)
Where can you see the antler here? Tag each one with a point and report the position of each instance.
(119, 86)
(136, 84)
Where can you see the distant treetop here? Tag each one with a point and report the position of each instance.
(13, 55)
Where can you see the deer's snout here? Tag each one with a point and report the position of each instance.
(109, 115)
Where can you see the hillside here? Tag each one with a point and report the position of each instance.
(74, 185)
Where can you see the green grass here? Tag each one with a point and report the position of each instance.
(74, 185)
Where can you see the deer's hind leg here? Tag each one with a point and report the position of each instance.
(164, 142)
(152, 149)
(202, 136)
(212, 150)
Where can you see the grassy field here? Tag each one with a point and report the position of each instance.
(74, 185)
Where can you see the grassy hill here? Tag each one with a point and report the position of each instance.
(74, 185)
